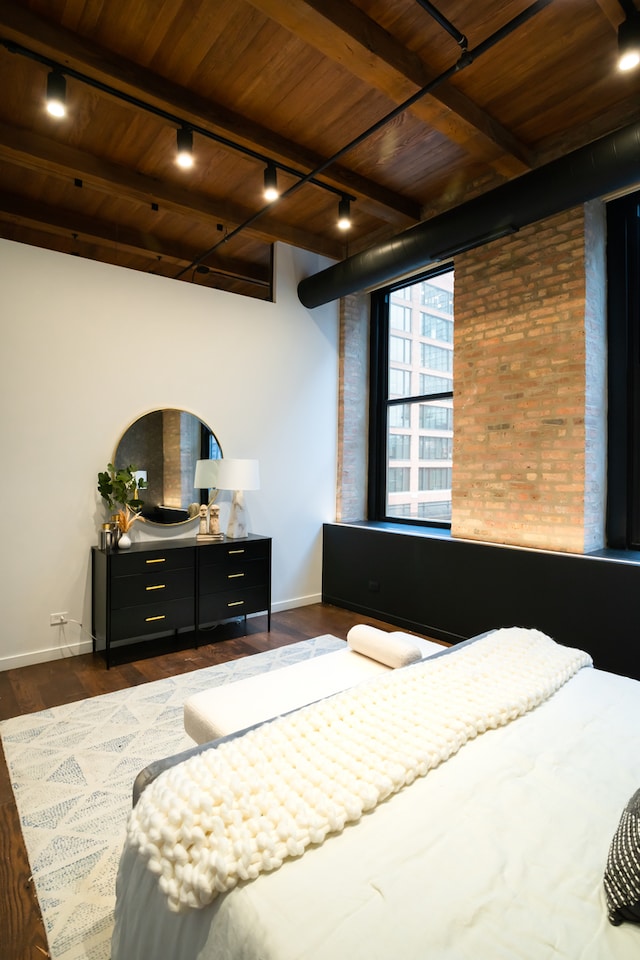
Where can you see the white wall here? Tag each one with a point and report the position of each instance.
(87, 348)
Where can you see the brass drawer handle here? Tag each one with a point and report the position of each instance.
(157, 586)
(235, 551)
(232, 576)
(159, 560)
(236, 603)
(149, 619)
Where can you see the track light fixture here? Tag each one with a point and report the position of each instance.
(184, 157)
(56, 94)
(55, 104)
(629, 41)
(344, 214)
(271, 191)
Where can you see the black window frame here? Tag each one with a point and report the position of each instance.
(623, 419)
(379, 403)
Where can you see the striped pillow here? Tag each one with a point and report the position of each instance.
(622, 874)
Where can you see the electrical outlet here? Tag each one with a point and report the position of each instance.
(57, 619)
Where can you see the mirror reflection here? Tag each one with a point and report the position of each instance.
(164, 446)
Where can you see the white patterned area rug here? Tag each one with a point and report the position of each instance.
(72, 770)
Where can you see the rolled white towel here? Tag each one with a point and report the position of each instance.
(394, 650)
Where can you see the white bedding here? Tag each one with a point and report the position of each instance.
(498, 853)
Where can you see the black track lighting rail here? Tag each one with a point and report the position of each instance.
(466, 58)
(171, 118)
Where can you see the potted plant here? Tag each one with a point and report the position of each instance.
(119, 489)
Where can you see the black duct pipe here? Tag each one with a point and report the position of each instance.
(601, 167)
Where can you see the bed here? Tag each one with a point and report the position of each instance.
(497, 852)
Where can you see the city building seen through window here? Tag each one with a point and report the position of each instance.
(419, 400)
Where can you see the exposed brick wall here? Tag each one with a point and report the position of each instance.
(528, 462)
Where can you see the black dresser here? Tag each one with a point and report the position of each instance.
(176, 588)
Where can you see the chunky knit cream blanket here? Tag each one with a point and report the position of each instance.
(235, 811)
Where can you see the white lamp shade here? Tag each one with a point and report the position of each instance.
(236, 474)
(205, 477)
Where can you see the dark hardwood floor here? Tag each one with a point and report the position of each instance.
(38, 687)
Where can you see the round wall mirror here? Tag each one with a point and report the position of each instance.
(164, 446)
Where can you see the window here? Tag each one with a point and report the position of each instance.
(400, 349)
(399, 382)
(398, 479)
(436, 448)
(434, 478)
(436, 328)
(400, 317)
(434, 417)
(431, 384)
(437, 297)
(412, 397)
(399, 446)
(436, 511)
(436, 358)
(400, 415)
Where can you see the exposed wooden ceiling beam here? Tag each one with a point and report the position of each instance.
(345, 34)
(21, 26)
(612, 11)
(69, 223)
(36, 152)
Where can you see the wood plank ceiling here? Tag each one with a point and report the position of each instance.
(316, 87)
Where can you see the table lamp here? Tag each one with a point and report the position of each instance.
(205, 479)
(237, 475)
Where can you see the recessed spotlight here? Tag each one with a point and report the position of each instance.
(271, 191)
(56, 94)
(629, 42)
(344, 214)
(184, 156)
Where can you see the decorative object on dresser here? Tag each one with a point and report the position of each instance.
(214, 522)
(176, 588)
(119, 488)
(237, 475)
(206, 479)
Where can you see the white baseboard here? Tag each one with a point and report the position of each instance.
(46, 655)
(85, 646)
(296, 602)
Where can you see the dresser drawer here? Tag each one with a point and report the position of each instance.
(157, 586)
(233, 575)
(128, 622)
(233, 603)
(151, 561)
(234, 551)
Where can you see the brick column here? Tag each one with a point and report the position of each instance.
(529, 368)
(595, 489)
(353, 408)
